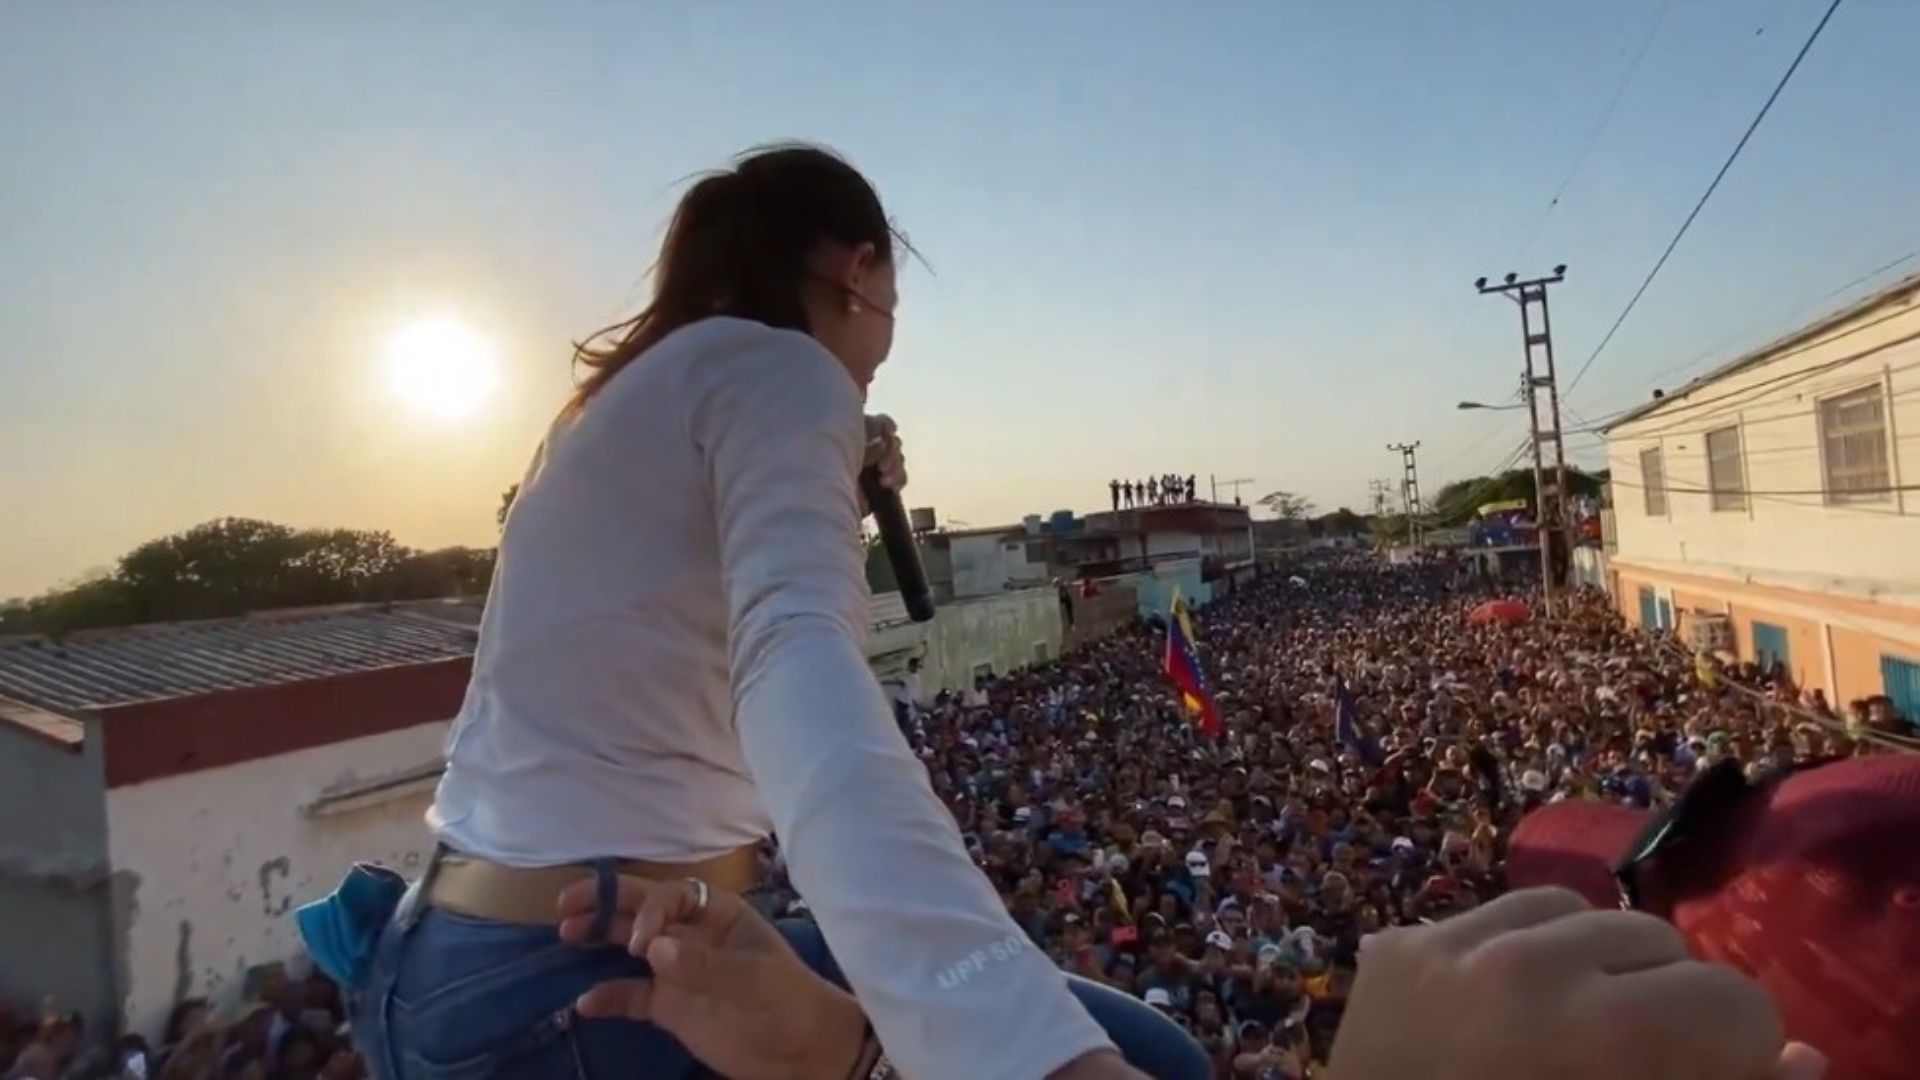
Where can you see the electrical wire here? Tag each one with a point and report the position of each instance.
(1493, 476)
(1705, 196)
(1447, 464)
(1790, 377)
(1720, 346)
(1674, 489)
(1599, 129)
(1676, 430)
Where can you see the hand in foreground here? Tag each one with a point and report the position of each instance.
(885, 452)
(725, 983)
(1538, 984)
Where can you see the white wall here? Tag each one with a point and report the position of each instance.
(1789, 539)
(1172, 543)
(1000, 631)
(217, 860)
(989, 563)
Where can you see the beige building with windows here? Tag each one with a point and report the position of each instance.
(1771, 507)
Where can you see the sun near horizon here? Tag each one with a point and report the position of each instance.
(441, 369)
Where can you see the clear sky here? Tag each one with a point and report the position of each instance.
(1213, 237)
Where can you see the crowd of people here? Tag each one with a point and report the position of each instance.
(1379, 748)
(1163, 490)
(289, 1029)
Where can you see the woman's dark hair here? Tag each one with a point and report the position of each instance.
(739, 245)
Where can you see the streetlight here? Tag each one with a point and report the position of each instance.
(1493, 408)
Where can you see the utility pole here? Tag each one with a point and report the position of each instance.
(1409, 488)
(1378, 490)
(1551, 506)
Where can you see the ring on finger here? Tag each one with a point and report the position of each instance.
(699, 895)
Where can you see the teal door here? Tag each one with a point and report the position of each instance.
(1648, 612)
(1770, 645)
(1901, 678)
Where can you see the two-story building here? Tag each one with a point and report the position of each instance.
(1771, 507)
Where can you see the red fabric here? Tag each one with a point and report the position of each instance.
(1183, 670)
(1506, 611)
(1813, 888)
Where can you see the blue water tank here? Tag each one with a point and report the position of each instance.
(1062, 522)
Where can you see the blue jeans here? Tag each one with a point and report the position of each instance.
(449, 997)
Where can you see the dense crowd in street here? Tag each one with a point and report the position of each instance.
(1226, 881)
(1229, 882)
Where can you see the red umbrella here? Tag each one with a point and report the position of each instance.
(1505, 611)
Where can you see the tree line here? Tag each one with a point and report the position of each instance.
(1454, 505)
(231, 566)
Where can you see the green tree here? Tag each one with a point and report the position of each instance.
(101, 600)
(236, 565)
(338, 565)
(1390, 528)
(1287, 506)
(453, 571)
(506, 504)
(222, 567)
(1342, 522)
(1456, 502)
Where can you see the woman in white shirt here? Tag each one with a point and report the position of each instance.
(671, 669)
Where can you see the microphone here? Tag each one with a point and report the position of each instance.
(896, 534)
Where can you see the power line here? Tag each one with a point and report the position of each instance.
(1466, 451)
(1675, 431)
(1606, 118)
(1706, 195)
(1869, 275)
(1787, 377)
(1678, 489)
(1719, 346)
(1471, 497)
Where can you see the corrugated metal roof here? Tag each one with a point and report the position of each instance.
(102, 668)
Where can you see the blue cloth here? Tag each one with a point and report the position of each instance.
(340, 930)
(449, 997)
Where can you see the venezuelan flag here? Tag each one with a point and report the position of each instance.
(1183, 668)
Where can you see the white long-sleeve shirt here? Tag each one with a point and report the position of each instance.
(672, 665)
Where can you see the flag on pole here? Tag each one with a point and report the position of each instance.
(1183, 668)
(1704, 673)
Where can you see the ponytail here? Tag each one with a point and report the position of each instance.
(739, 244)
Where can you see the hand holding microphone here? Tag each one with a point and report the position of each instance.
(882, 475)
(885, 458)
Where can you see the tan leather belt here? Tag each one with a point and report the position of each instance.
(487, 890)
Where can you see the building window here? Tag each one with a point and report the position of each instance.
(1853, 445)
(1901, 679)
(1649, 611)
(1653, 480)
(1726, 477)
(1770, 646)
